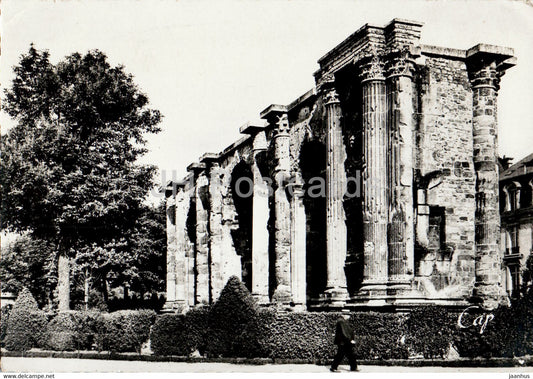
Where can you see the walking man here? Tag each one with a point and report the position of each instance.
(344, 340)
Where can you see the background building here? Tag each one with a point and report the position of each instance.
(516, 207)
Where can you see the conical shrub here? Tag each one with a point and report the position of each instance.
(228, 319)
(26, 326)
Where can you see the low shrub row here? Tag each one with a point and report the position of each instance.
(72, 330)
(279, 335)
(124, 331)
(237, 328)
(508, 334)
(27, 327)
(180, 334)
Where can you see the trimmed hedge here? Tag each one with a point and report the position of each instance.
(236, 327)
(26, 325)
(73, 330)
(380, 335)
(309, 335)
(180, 334)
(271, 334)
(509, 334)
(430, 331)
(124, 331)
(427, 331)
(4, 316)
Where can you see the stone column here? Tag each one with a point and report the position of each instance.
(375, 186)
(189, 246)
(201, 193)
(260, 216)
(336, 289)
(298, 246)
(277, 116)
(485, 78)
(216, 250)
(399, 68)
(182, 243)
(172, 247)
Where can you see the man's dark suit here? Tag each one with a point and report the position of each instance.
(343, 339)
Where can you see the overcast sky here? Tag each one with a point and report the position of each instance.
(210, 66)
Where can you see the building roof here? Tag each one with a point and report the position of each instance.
(522, 167)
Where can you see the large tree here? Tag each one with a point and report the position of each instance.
(69, 170)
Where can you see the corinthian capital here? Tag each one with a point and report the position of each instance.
(282, 125)
(400, 63)
(331, 96)
(324, 82)
(371, 68)
(326, 87)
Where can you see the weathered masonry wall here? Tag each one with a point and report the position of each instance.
(445, 245)
(377, 188)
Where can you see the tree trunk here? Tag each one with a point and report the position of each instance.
(86, 289)
(63, 282)
(104, 288)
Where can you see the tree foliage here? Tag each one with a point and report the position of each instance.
(527, 277)
(137, 258)
(69, 173)
(28, 263)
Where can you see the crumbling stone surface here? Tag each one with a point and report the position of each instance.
(445, 147)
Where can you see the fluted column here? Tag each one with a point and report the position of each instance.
(375, 197)
(485, 84)
(336, 291)
(298, 245)
(260, 215)
(282, 211)
(399, 69)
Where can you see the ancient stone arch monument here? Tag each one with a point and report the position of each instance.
(378, 188)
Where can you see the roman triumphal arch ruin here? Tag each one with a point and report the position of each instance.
(378, 188)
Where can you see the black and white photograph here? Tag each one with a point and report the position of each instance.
(287, 186)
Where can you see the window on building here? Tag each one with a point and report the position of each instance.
(514, 240)
(511, 240)
(512, 199)
(437, 228)
(514, 288)
(512, 192)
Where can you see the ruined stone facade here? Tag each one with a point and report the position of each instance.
(378, 188)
